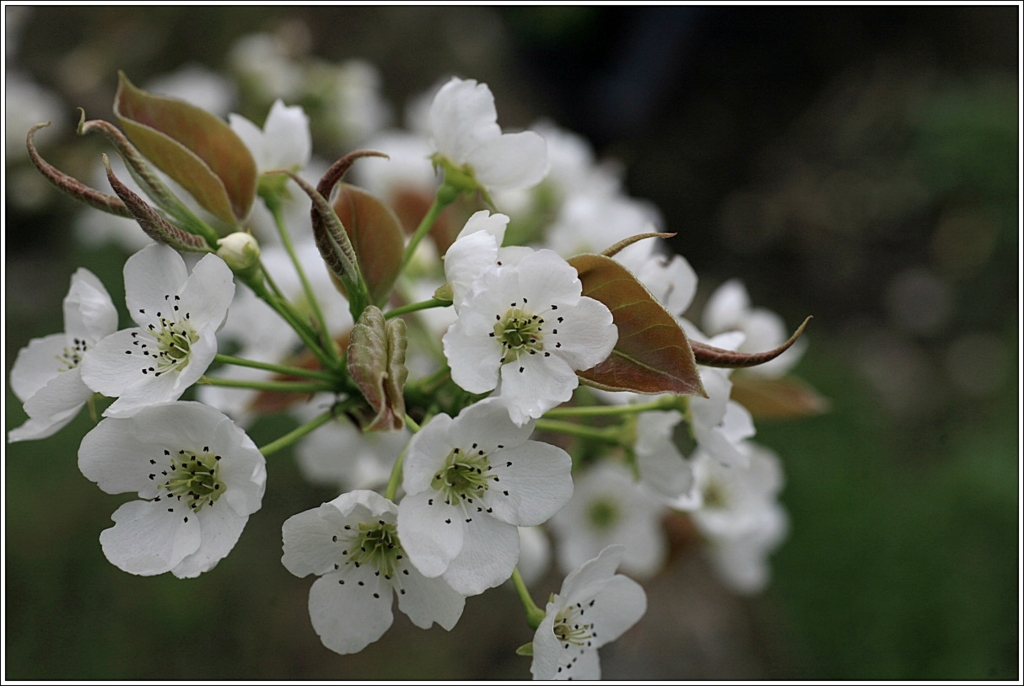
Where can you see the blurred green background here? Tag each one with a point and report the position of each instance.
(858, 164)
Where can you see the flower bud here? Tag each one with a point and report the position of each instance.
(240, 250)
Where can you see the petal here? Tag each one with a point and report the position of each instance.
(287, 143)
(220, 528)
(486, 425)
(307, 543)
(36, 364)
(346, 616)
(492, 224)
(536, 477)
(53, 406)
(243, 470)
(250, 134)
(431, 532)
(510, 161)
(461, 117)
(547, 649)
(727, 307)
(488, 556)
(426, 454)
(467, 259)
(534, 384)
(116, 362)
(673, 282)
(545, 279)
(474, 358)
(150, 537)
(586, 580)
(617, 606)
(113, 456)
(426, 601)
(89, 312)
(208, 293)
(587, 334)
(150, 274)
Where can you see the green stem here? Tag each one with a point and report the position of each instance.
(278, 368)
(286, 386)
(534, 615)
(609, 434)
(415, 307)
(396, 471)
(667, 402)
(296, 434)
(429, 384)
(445, 196)
(283, 308)
(286, 239)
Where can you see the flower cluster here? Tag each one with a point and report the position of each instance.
(539, 378)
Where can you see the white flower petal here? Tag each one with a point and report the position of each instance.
(146, 539)
(89, 312)
(486, 425)
(305, 537)
(220, 528)
(467, 259)
(150, 274)
(36, 364)
(53, 406)
(488, 556)
(208, 293)
(426, 454)
(510, 161)
(462, 116)
(534, 384)
(587, 334)
(431, 532)
(427, 601)
(537, 478)
(346, 616)
(474, 359)
(546, 279)
(287, 143)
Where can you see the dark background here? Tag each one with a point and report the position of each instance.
(859, 164)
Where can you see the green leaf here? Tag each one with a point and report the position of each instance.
(525, 650)
(376, 362)
(376, 236)
(777, 398)
(195, 148)
(652, 354)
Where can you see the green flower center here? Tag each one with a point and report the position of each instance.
(465, 475)
(194, 477)
(375, 544)
(603, 513)
(570, 628)
(715, 495)
(174, 339)
(519, 333)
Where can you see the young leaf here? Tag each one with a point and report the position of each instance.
(783, 398)
(376, 362)
(195, 148)
(652, 354)
(711, 356)
(376, 236)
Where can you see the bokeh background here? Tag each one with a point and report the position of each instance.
(859, 164)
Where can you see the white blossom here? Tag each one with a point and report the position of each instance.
(284, 142)
(353, 545)
(464, 128)
(469, 482)
(661, 466)
(339, 455)
(199, 478)
(47, 374)
(528, 326)
(594, 607)
(177, 314)
(610, 507)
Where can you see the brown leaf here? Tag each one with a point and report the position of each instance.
(652, 354)
(777, 398)
(376, 362)
(195, 148)
(376, 236)
(711, 356)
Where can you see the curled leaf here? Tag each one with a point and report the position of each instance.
(626, 242)
(376, 236)
(195, 148)
(70, 185)
(652, 354)
(777, 398)
(717, 357)
(376, 362)
(155, 226)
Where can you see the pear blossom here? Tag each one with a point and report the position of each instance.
(610, 507)
(199, 478)
(528, 326)
(352, 544)
(464, 128)
(338, 454)
(594, 607)
(284, 142)
(661, 466)
(469, 482)
(47, 374)
(738, 513)
(177, 314)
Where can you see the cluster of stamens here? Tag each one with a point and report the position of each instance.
(519, 332)
(571, 630)
(375, 544)
(72, 357)
(192, 477)
(174, 339)
(466, 476)
(604, 513)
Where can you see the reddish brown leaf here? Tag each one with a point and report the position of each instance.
(652, 354)
(376, 362)
(783, 398)
(376, 236)
(195, 148)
